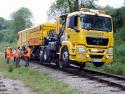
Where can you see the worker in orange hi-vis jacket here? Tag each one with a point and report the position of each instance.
(17, 56)
(27, 55)
(8, 54)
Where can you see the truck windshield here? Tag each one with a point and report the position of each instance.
(91, 22)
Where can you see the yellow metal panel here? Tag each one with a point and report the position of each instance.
(34, 36)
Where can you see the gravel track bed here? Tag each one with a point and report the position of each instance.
(16, 87)
(8, 86)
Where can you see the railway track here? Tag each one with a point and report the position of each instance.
(109, 79)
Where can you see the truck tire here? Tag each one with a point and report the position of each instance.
(41, 58)
(64, 61)
(46, 55)
(98, 64)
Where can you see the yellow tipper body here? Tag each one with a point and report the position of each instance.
(34, 36)
(23, 37)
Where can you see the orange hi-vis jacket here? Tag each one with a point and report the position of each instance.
(16, 54)
(28, 55)
(8, 53)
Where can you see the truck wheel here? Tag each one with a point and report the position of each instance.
(46, 56)
(64, 62)
(98, 64)
(41, 57)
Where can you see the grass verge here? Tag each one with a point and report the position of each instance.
(39, 82)
(114, 68)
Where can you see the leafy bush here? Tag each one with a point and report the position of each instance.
(115, 68)
(119, 48)
(8, 35)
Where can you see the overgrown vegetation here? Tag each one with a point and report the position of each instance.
(118, 65)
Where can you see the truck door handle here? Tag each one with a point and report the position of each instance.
(68, 36)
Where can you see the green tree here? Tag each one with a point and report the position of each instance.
(21, 19)
(63, 6)
(66, 6)
(8, 35)
(1, 36)
(88, 3)
(118, 15)
(3, 23)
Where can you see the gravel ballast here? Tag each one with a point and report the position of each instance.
(83, 84)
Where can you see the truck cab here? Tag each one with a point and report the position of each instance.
(87, 37)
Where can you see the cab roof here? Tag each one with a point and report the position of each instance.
(90, 12)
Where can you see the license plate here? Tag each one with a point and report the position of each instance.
(96, 60)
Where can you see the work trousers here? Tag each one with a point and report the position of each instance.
(17, 62)
(8, 60)
(27, 62)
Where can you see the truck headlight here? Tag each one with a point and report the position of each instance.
(81, 50)
(110, 51)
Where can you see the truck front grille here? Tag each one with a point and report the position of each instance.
(96, 56)
(97, 41)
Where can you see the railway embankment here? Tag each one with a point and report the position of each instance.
(30, 80)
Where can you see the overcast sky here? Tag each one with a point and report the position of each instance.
(39, 7)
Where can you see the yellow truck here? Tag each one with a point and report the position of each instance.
(77, 38)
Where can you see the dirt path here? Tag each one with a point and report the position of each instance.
(17, 87)
(8, 86)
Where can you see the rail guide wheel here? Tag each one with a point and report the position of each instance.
(98, 64)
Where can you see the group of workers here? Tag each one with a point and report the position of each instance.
(17, 54)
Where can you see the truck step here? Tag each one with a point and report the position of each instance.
(73, 54)
(73, 48)
(58, 53)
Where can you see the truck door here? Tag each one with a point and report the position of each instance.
(72, 30)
